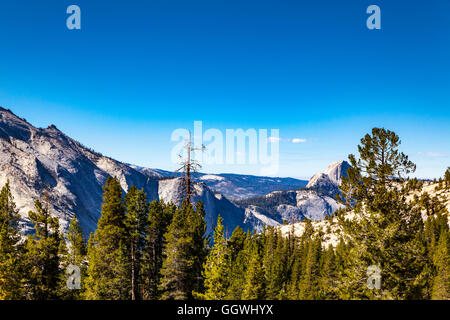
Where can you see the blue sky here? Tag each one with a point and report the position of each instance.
(137, 70)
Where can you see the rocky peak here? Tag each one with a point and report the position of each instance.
(336, 170)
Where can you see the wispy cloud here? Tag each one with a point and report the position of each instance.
(294, 140)
(273, 139)
(298, 140)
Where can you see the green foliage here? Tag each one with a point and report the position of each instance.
(108, 270)
(388, 231)
(155, 250)
(441, 260)
(447, 178)
(185, 253)
(437, 237)
(77, 256)
(269, 203)
(254, 286)
(238, 251)
(136, 220)
(11, 252)
(216, 268)
(159, 218)
(275, 264)
(78, 248)
(44, 277)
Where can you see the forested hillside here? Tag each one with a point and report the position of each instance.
(390, 228)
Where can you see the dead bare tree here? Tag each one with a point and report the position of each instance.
(189, 166)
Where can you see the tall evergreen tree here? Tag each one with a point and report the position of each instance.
(447, 178)
(44, 275)
(159, 218)
(295, 274)
(309, 283)
(200, 244)
(441, 260)
(216, 268)
(136, 224)
(238, 248)
(77, 255)
(11, 253)
(185, 250)
(275, 264)
(108, 270)
(178, 262)
(254, 287)
(328, 274)
(78, 248)
(388, 230)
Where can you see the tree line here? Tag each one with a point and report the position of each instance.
(157, 250)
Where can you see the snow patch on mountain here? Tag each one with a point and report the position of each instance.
(212, 177)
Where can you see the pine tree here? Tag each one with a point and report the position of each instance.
(275, 264)
(388, 230)
(11, 253)
(176, 277)
(447, 178)
(254, 287)
(78, 248)
(159, 218)
(343, 270)
(236, 244)
(309, 283)
(44, 275)
(108, 270)
(200, 245)
(296, 271)
(441, 260)
(136, 224)
(77, 255)
(327, 276)
(216, 268)
(185, 252)
(238, 248)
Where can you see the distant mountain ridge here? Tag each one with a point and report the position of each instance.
(233, 186)
(37, 160)
(314, 202)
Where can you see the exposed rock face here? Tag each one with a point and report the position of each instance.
(336, 170)
(315, 202)
(279, 207)
(329, 181)
(171, 190)
(36, 160)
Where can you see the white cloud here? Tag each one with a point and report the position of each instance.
(298, 140)
(273, 139)
(295, 140)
